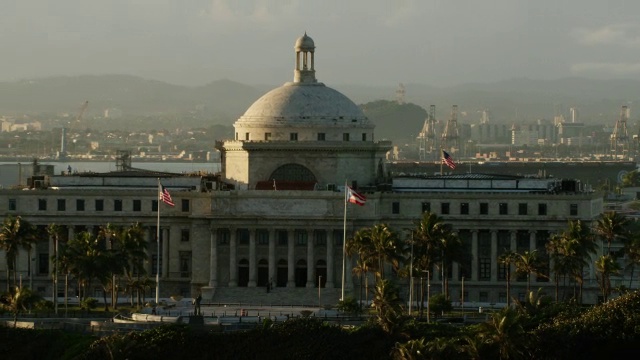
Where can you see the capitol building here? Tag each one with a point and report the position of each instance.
(275, 213)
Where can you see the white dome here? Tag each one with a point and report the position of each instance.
(296, 104)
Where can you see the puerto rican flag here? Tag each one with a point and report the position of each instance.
(355, 198)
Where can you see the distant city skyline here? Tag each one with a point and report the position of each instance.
(373, 42)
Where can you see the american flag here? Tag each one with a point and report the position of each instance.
(448, 160)
(165, 197)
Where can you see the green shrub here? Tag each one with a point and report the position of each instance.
(88, 304)
(349, 306)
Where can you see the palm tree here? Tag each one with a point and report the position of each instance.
(528, 263)
(632, 250)
(606, 265)
(504, 335)
(15, 233)
(610, 227)
(55, 232)
(376, 245)
(451, 250)
(361, 270)
(17, 301)
(507, 258)
(387, 304)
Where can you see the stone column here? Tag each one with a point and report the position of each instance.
(532, 240)
(474, 255)
(272, 256)
(513, 234)
(252, 258)
(330, 261)
(52, 252)
(310, 259)
(233, 261)
(165, 252)
(494, 255)
(71, 230)
(213, 259)
(149, 265)
(291, 266)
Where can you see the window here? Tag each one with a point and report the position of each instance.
(13, 204)
(293, 136)
(483, 297)
(282, 237)
(338, 237)
(236, 136)
(185, 205)
(301, 237)
(79, 204)
(184, 235)
(62, 205)
(99, 205)
(321, 136)
(573, 209)
(267, 136)
(117, 205)
(503, 208)
(154, 205)
(185, 264)
(223, 236)
(542, 209)
(464, 209)
(246, 136)
(262, 237)
(395, 207)
(320, 237)
(444, 208)
(345, 137)
(484, 272)
(155, 263)
(522, 209)
(243, 236)
(484, 208)
(43, 264)
(484, 255)
(502, 297)
(426, 207)
(137, 205)
(364, 136)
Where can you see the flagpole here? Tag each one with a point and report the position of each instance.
(344, 240)
(441, 158)
(158, 243)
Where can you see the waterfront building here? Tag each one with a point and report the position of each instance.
(275, 215)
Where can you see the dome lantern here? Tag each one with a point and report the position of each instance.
(305, 68)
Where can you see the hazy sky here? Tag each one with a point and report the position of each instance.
(372, 42)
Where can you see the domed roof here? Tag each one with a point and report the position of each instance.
(299, 104)
(305, 43)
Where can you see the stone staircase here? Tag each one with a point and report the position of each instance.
(277, 296)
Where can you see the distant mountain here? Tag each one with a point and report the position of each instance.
(223, 101)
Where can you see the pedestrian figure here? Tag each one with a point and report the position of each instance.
(196, 309)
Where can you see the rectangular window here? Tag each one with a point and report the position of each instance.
(137, 205)
(62, 205)
(444, 208)
(267, 136)
(502, 297)
(99, 205)
(573, 209)
(154, 205)
(464, 209)
(522, 209)
(243, 236)
(301, 237)
(43, 264)
(321, 136)
(320, 237)
(13, 204)
(484, 272)
(426, 207)
(185, 205)
(503, 209)
(223, 236)
(283, 237)
(262, 237)
(345, 137)
(185, 235)
(484, 208)
(395, 207)
(117, 205)
(185, 263)
(293, 136)
(542, 209)
(338, 237)
(364, 136)
(79, 204)
(246, 136)
(484, 255)
(483, 297)
(155, 263)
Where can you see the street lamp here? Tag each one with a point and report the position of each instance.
(319, 287)
(428, 296)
